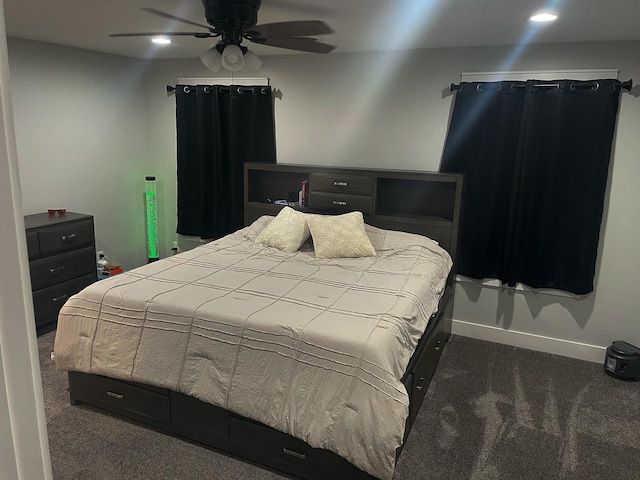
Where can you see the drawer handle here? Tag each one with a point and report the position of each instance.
(421, 385)
(340, 184)
(117, 396)
(60, 298)
(301, 456)
(67, 238)
(54, 271)
(438, 345)
(337, 202)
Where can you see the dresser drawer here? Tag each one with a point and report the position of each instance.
(33, 244)
(340, 202)
(60, 268)
(285, 449)
(337, 183)
(121, 395)
(48, 301)
(65, 236)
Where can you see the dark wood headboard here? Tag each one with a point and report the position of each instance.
(425, 203)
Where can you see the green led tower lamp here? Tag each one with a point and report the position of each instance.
(151, 204)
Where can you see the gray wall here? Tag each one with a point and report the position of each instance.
(378, 110)
(82, 139)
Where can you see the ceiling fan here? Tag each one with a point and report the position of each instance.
(236, 20)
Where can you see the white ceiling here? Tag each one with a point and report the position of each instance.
(359, 24)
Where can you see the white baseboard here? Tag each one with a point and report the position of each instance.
(556, 346)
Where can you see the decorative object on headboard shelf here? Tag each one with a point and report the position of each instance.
(151, 210)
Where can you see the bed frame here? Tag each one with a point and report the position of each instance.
(416, 202)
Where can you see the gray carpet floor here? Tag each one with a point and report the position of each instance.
(492, 412)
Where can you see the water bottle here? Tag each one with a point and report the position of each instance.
(102, 262)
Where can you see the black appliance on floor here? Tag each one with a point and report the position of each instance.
(623, 361)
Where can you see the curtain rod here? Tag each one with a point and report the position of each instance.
(576, 84)
(239, 89)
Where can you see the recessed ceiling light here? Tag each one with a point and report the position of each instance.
(161, 40)
(543, 17)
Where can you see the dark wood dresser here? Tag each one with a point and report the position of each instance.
(62, 261)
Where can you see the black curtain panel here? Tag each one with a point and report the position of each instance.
(219, 128)
(536, 178)
(481, 143)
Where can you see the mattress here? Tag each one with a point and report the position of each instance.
(312, 347)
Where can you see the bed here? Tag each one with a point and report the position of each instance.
(314, 366)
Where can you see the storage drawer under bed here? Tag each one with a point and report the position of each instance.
(120, 396)
(204, 419)
(289, 451)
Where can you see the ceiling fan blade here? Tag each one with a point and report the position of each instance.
(301, 28)
(173, 17)
(165, 34)
(301, 44)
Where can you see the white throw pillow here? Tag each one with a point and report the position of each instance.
(340, 236)
(287, 232)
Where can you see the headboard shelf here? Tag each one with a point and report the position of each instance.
(408, 218)
(425, 203)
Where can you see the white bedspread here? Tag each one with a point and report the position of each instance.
(314, 348)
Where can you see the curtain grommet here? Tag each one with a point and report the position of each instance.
(480, 86)
(240, 91)
(596, 86)
(207, 90)
(264, 90)
(186, 90)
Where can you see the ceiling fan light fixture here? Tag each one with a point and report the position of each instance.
(543, 17)
(212, 59)
(232, 58)
(251, 62)
(161, 40)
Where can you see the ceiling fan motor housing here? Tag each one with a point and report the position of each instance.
(231, 14)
